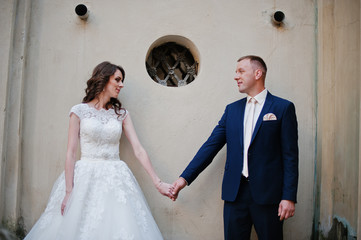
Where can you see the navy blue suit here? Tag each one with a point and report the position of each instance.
(272, 154)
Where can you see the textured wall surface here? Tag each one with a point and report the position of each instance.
(338, 172)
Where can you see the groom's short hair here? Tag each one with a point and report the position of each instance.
(258, 61)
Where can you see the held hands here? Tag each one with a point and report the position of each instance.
(178, 185)
(286, 209)
(165, 189)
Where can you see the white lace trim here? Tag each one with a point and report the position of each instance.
(83, 110)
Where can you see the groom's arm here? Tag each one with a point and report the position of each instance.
(207, 152)
(203, 157)
(289, 139)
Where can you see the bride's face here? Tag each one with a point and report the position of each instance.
(114, 85)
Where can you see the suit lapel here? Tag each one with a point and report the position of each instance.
(267, 104)
(240, 116)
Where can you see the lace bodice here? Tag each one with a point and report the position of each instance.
(100, 132)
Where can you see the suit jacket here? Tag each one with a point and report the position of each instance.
(272, 154)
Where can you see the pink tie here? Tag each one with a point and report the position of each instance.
(248, 130)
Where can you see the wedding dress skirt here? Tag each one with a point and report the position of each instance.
(106, 202)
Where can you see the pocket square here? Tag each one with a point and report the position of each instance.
(269, 117)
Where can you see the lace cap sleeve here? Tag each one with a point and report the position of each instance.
(77, 110)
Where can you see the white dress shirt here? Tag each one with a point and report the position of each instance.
(258, 105)
(260, 98)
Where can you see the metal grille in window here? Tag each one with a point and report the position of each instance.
(172, 65)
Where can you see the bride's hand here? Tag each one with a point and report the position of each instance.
(166, 189)
(65, 201)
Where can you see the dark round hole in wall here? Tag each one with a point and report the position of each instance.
(279, 16)
(173, 61)
(81, 10)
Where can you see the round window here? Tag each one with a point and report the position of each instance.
(172, 61)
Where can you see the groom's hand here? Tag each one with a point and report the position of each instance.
(177, 186)
(286, 209)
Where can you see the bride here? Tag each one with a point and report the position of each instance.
(97, 197)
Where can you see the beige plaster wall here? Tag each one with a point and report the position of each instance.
(6, 25)
(172, 123)
(15, 16)
(339, 114)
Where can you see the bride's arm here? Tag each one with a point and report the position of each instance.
(142, 156)
(73, 141)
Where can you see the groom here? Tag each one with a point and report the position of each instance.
(261, 173)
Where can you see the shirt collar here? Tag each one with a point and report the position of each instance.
(260, 97)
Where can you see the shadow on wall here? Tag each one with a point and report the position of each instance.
(6, 234)
(12, 231)
(339, 231)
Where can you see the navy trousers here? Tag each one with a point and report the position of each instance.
(239, 217)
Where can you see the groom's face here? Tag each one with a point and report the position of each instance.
(245, 76)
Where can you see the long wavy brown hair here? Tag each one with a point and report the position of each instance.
(100, 77)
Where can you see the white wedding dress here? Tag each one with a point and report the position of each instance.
(106, 201)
